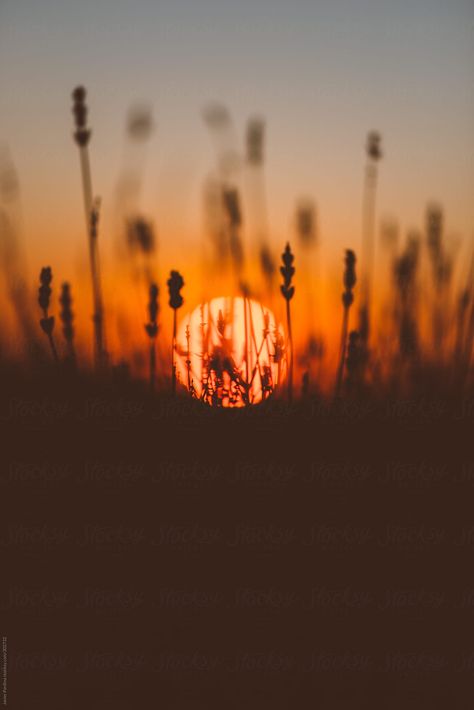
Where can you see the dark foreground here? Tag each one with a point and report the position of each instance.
(158, 554)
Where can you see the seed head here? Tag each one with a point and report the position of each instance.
(287, 271)
(44, 291)
(44, 296)
(373, 147)
(151, 328)
(349, 278)
(175, 284)
(140, 235)
(79, 110)
(305, 223)
(66, 314)
(232, 206)
(255, 135)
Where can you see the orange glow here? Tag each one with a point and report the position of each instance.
(230, 352)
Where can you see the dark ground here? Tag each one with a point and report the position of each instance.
(161, 555)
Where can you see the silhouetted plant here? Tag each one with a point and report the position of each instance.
(44, 298)
(255, 134)
(306, 224)
(255, 140)
(405, 270)
(67, 317)
(374, 155)
(141, 243)
(98, 316)
(349, 281)
(82, 137)
(191, 389)
(232, 207)
(306, 233)
(441, 266)
(175, 284)
(151, 329)
(140, 235)
(288, 291)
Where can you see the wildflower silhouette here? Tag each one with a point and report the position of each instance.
(349, 281)
(67, 317)
(374, 155)
(82, 137)
(175, 284)
(151, 329)
(232, 207)
(288, 291)
(44, 298)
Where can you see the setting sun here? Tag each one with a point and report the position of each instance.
(231, 352)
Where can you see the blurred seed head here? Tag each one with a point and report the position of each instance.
(232, 206)
(140, 122)
(66, 313)
(216, 116)
(140, 235)
(255, 138)
(373, 145)
(306, 223)
(151, 328)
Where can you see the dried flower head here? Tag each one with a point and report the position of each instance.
(287, 271)
(255, 135)
(232, 206)
(140, 122)
(175, 284)
(44, 291)
(349, 278)
(151, 328)
(44, 297)
(306, 223)
(216, 116)
(374, 150)
(140, 235)
(66, 313)
(79, 110)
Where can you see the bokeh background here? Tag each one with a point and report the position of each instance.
(320, 73)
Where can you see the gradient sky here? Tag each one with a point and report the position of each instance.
(322, 72)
